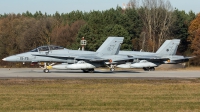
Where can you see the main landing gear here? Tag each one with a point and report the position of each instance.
(88, 70)
(149, 69)
(112, 68)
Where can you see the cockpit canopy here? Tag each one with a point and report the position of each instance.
(47, 48)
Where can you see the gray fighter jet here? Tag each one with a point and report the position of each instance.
(166, 54)
(107, 55)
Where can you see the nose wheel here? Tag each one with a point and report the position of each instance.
(46, 67)
(46, 70)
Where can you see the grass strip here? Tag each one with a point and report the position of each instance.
(35, 95)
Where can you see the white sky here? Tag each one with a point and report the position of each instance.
(66, 6)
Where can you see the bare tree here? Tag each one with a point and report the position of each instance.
(39, 33)
(133, 4)
(157, 17)
(66, 35)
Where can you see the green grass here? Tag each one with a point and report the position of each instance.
(109, 95)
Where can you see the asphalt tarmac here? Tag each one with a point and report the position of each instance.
(7, 73)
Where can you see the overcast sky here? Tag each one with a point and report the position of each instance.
(66, 6)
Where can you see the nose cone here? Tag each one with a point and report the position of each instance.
(10, 58)
(4, 59)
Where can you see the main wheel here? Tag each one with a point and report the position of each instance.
(91, 70)
(146, 69)
(85, 71)
(152, 69)
(112, 69)
(46, 70)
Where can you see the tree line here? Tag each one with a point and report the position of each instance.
(144, 26)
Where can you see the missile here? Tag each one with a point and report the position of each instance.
(141, 64)
(60, 66)
(127, 65)
(78, 65)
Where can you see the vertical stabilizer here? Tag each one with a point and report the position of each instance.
(169, 47)
(111, 46)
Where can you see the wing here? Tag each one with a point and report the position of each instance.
(149, 58)
(65, 57)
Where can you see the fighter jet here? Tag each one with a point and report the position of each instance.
(166, 54)
(106, 55)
